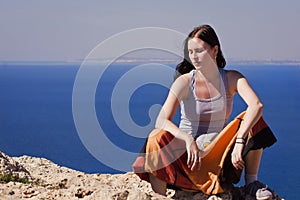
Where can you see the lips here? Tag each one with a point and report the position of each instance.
(196, 62)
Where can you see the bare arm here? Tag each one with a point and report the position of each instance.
(178, 91)
(254, 109)
(254, 105)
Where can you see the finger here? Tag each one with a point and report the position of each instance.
(191, 160)
(188, 159)
(235, 165)
(199, 162)
(194, 165)
(195, 161)
(242, 164)
(233, 161)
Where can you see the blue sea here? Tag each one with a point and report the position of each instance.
(36, 116)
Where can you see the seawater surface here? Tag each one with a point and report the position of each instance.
(36, 115)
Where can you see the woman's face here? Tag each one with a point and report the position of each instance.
(201, 53)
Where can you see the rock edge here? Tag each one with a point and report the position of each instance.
(39, 178)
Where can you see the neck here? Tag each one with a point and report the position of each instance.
(209, 74)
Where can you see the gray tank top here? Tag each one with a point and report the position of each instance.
(206, 117)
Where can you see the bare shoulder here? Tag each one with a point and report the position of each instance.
(181, 85)
(182, 80)
(234, 75)
(185, 76)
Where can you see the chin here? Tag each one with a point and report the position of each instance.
(197, 66)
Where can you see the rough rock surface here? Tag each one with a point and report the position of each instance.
(39, 178)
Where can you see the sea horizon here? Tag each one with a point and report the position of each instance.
(295, 62)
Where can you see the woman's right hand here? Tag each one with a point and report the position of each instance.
(193, 153)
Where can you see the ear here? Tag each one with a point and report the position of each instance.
(215, 50)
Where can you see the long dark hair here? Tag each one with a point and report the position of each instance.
(208, 35)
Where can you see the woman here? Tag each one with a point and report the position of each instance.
(204, 91)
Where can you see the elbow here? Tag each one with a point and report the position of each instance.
(162, 123)
(161, 120)
(159, 124)
(258, 106)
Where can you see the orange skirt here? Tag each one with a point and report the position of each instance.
(165, 157)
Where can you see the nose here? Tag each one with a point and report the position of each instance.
(194, 56)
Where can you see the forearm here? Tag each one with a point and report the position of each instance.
(252, 115)
(169, 126)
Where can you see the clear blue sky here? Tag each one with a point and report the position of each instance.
(56, 30)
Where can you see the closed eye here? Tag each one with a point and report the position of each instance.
(199, 50)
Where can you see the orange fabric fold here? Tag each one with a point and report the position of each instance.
(165, 157)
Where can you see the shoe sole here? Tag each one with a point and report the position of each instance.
(264, 198)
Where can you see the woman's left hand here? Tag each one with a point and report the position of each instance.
(236, 156)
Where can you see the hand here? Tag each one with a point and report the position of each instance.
(194, 156)
(236, 156)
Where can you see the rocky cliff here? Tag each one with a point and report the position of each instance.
(38, 178)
